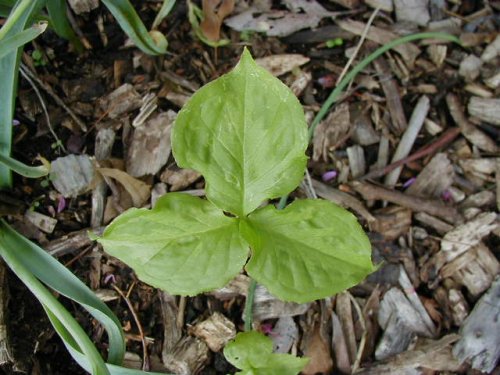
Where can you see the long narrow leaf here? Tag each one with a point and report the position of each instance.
(59, 20)
(337, 91)
(165, 9)
(9, 65)
(130, 22)
(8, 251)
(59, 278)
(80, 358)
(30, 262)
(12, 43)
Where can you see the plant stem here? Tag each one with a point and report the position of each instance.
(23, 169)
(248, 313)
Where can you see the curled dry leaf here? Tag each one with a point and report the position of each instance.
(138, 190)
(214, 12)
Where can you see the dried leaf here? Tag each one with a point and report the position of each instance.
(214, 12)
(138, 190)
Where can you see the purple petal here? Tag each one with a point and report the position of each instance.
(16, 122)
(446, 196)
(409, 182)
(328, 176)
(109, 278)
(61, 204)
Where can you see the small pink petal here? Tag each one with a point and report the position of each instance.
(61, 204)
(328, 176)
(109, 278)
(327, 81)
(446, 196)
(409, 182)
(266, 328)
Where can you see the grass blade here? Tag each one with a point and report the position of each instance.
(130, 22)
(165, 9)
(337, 91)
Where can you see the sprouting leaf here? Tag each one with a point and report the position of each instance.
(185, 245)
(195, 14)
(58, 16)
(165, 9)
(214, 12)
(312, 249)
(130, 22)
(252, 352)
(246, 133)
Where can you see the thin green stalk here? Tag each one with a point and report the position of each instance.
(332, 98)
(23, 169)
(335, 94)
(248, 313)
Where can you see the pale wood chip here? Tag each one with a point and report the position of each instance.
(72, 175)
(469, 131)
(408, 139)
(331, 132)
(485, 109)
(216, 331)
(434, 179)
(465, 236)
(480, 341)
(150, 147)
(414, 11)
(391, 92)
(278, 65)
(83, 6)
(266, 306)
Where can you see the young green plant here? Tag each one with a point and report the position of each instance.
(246, 133)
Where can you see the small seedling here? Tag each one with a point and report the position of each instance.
(38, 58)
(246, 134)
(337, 42)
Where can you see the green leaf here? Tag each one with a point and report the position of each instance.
(185, 245)
(312, 249)
(9, 64)
(12, 43)
(246, 133)
(252, 352)
(58, 16)
(166, 7)
(130, 22)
